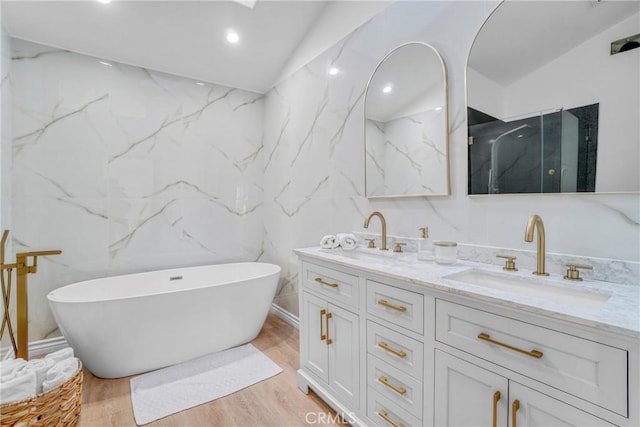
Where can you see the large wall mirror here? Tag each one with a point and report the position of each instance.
(552, 105)
(406, 130)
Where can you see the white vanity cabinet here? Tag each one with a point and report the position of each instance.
(391, 351)
(394, 360)
(589, 370)
(329, 337)
(468, 395)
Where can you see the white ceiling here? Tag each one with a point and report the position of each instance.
(521, 36)
(185, 38)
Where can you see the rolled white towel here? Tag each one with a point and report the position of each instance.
(329, 242)
(3, 379)
(11, 365)
(60, 355)
(20, 387)
(40, 367)
(347, 241)
(59, 373)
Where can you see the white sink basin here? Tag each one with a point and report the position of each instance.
(531, 287)
(372, 255)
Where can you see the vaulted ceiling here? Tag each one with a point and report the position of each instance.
(186, 38)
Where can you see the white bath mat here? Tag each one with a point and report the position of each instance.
(164, 392)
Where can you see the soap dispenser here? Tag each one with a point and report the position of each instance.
(425, 246)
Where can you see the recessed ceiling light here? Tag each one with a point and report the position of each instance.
(438, 108)
(233, 37)
(387, 89)
(333, 71)
(200, 83)
(248, 3)
(106, 63)
(105, 1)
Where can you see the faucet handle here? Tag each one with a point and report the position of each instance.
(573, 273)
(510, 264)
(398, 247)
(371, 244)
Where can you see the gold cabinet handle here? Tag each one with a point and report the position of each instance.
(514, 409)
(383, 414)
(533, 353)
(385, 303)
(319, 280)
(400, 353)
(322, 336)
(327, 317)
(496, 399)
(385, 381)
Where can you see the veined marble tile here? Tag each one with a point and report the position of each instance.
(190, 174)
(493, 221)
(128, 169)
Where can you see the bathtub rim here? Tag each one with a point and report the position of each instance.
(51, 297)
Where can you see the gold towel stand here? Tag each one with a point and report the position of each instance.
(21, 348)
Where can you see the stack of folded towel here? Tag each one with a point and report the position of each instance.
(346, 241)
(20, 379)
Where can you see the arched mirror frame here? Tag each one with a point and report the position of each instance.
(446, 125)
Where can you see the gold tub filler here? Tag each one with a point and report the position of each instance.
(59, 406)
(22, 267)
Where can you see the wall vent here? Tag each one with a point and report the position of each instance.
(625, 44)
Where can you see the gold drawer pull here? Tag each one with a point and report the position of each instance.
(385, 381)
(400, 308)
(327, 317)
(400, 353)
(319, 280)
(322, 336)
(383, 414)
(533, 353)
(514, 409)
(496, 399)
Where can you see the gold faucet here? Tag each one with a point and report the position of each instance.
(22, 267)
(536, 221)
(384, 228)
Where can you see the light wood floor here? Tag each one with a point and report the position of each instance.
(273, 402)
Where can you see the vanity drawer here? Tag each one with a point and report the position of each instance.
(334, 284)
(385, 413)
(395, 385)
(396, 349)
(587, 369)
(398, 306)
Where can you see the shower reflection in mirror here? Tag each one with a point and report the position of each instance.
(548, 152)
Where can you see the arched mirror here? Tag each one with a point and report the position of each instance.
(553, 90)
(406, 131)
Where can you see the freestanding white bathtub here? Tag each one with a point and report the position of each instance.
(125, 325)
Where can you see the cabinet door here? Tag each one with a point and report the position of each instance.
(314, 354)
(534, 409)
(465, 394)
(344, 354)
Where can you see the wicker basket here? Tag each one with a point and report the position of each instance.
(58, 407)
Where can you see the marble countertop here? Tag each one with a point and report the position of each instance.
(619, 314)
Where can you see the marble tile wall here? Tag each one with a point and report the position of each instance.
(128, 170)
(5, 150)
(407, 155)
(313, 173)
